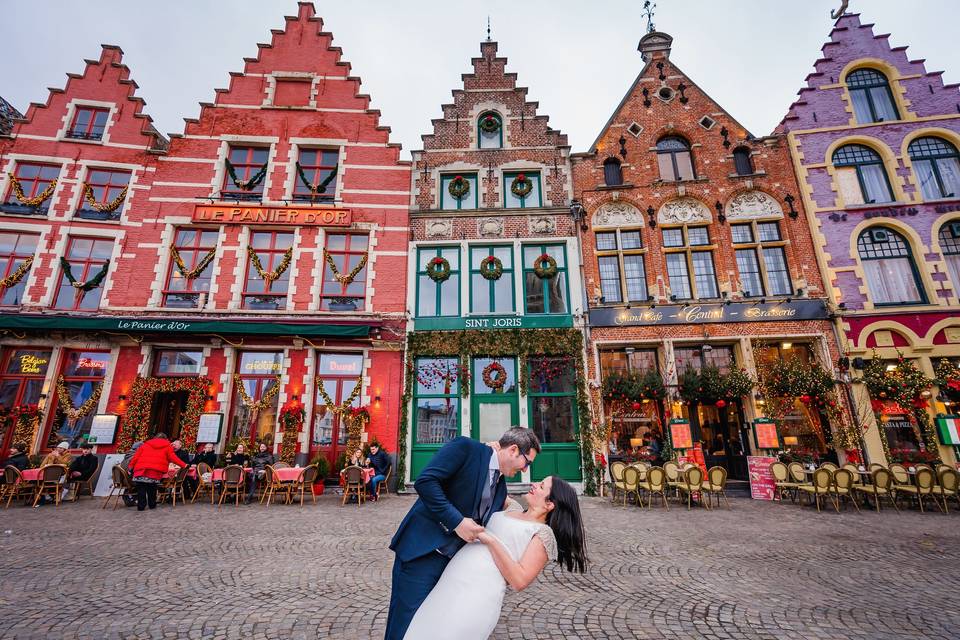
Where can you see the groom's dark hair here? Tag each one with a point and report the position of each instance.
(525, 439)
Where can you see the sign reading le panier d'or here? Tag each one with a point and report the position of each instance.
(709, 312)
(242, 214)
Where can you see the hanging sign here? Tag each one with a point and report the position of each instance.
(765, 434)
(103, 429)
(680, 434)
(209, 428)
(292, 216)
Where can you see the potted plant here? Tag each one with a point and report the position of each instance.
(323, 470)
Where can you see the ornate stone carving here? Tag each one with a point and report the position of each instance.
(438, 228)
(754, 204)
(684, 211)
(490, 227)
(542, 225)
(617, 214)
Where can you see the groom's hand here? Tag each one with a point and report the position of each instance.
(468, 530)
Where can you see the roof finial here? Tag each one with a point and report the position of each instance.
(836, 15)
(488, 28)
(649, 8)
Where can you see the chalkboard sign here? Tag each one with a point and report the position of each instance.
(209, 428)
(103, 429)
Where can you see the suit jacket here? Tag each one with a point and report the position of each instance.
(450, 488)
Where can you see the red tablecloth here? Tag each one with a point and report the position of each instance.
(31, 475)
(288, 474)
(218, 474)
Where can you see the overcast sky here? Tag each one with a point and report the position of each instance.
(577, 57)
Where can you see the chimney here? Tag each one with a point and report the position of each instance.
(655, 45)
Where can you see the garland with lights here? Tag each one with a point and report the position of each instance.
(292, 415)
(621, 390)
(459, 187)
(344, 407)
(17, 276)
(106, 207)
(23, 419)
(347, 279)
(709, 386)
(136, 424)
(276, 273)
(92, 283)
(249, 184)
(947, 378)
(438, 269)
(265, 400)
(320, 187)
(491, 268)
(356, 420)
(191, 274)
(907, 387)
(521, 186)
(429, 374)
(36, 200)
(65, 404)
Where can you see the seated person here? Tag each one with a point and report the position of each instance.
(84, 466)
(207, 455)
(18, 457)
(380, 462)
(182, 453)
(259, 462)
(239, 456)
(357, 459)
(59, 455)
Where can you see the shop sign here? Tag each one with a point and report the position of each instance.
(949, 429)
(30, 363)
(261, 366)
(103, 429)
(763, 486)
(493, 322)
(765, 434)
(341, 365)
(293, 216)
(90, 363)
(707, 313)
(208, 430)
(680, 435)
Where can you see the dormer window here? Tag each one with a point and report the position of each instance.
(674, 159)
(612, 172)
(89, 123)
(871, 96)
(489, 131)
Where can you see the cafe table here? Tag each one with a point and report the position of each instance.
(287, 474)
(217, 475)
(30, 475)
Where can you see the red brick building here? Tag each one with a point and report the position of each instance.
(258, 261)
(698, 256)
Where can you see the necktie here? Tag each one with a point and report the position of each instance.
(486, 498)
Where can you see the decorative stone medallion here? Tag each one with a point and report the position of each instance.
(490, 227)
(542, 225)
(684, 211)
(438, 228)
(754, 204)
(617, 214)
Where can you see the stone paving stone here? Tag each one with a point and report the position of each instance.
(758, 571)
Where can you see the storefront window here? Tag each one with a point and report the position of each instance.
(696, 358)
(553, 399)
(437, 400)
(546, 294)
(258, 374)
(340, 373)
(83, 373)
(500, 377)
(801, 427)
(177, 363)
(435, 298)
(491, 296)
(21, 383)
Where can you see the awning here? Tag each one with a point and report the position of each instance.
(182, 326)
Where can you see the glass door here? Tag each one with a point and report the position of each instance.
(21, 383)
(340, 376)
(495, 406)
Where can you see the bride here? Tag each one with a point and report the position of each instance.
(516, 546)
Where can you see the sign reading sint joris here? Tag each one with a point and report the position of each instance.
(228, 214)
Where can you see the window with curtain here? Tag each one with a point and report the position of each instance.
(871, 95)
(861, 175)
(688, 251)
(547, 294)
(620, 259)
(892, 276)
(486, 295)
(761, 259)
(490, 131)
(950, 247)
(674, 159)
(434, 298)
(936, 164)
(612, 172)
(742, 161)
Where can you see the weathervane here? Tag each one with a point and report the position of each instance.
(842, 10)
(488, 28)
(648, 10)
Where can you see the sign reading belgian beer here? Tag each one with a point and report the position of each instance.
(230, 214)
(705, 313)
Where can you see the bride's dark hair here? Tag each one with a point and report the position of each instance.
(567, 526)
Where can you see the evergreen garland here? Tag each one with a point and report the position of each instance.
(249, 184)
(92, 283)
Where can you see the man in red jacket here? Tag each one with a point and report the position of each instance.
(150, 463)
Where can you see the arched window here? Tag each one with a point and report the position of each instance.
(871, 95)
(937, 165)
(489, 131)
(612, 172)
(673, 156)
(861, 175)
(892, 276)
(742, 161)
(950, 247)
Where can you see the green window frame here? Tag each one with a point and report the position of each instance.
(552, 378)
(490, 140)
(470, 201)
(532, 199)
(433, 299)
(547, 296)
(492, 296)
(440, 397)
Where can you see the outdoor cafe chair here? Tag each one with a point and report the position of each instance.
(616, 472)
(14, 486)
(821, 485)
(121, 485)
(204, 482)
(672, 471)
(234, 479)
(386, 480)
(924, 487)
(176, 486)
(900, 476)
(655, 483)
(797, 473)
(882, 487)
(716, 484)
(782, 482)
(631, 484)
(692, 482)
(281, 465)
(829, 466)
(948, 487)
(79, 486)
(307, 477)
(50, 482)
(843, 488)
(642, 468)
(270, 483)
(854, 471)
(874, 466)
(353, 485)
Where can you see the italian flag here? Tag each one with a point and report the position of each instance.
(949, 427)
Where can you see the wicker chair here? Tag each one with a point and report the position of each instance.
(270, 483)
(204, 485)
(843, 488)
(854, 471)
(281, 465)
(672, 470)
(655, 483)
(642, 468)
(176, 486)
(821, 486)
(631, 484)
(781, 477)
(385, 483)
(307, 477)
(829, 466)
(716, 484)
(949, 486)
(50, 482)
(900, 476)
(882, 487)
(77, 486)
(234, 479)
(616, 472)
(121, 485)
(14, 487)
(874, 466)
(354, 485)
(693, 483)
(924, 487)
(797, 473)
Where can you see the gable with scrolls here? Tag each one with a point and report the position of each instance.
(684, 211)
(617, 214)
(753, 204)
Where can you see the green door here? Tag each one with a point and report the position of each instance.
(495, 405)
(552, 411)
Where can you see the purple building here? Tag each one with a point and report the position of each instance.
(874, 138)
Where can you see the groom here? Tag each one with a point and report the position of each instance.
(459, 490)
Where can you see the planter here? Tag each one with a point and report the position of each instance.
(318, 488)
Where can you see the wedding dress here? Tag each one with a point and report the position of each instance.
(465, 604)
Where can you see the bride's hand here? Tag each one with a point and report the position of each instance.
(485, 538)
(495, 445)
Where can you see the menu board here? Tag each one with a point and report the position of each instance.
(209, 428)
(103, 429)
(765, 434)
(680, 434)
(106, 474)
(763, 486)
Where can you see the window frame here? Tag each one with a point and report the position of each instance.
(110, 189)
(620, 253)
(499, 131)
(687, 250)
(90, 267)
(344, 385)
(196, 251)
(544, 283)
(933, 160)
(610, 165)
(12, 261)
(447, 178)
(54, 407)
(431, 252)
(454, 395)
(950, 249)
(273, 253)
(508, 177)
(301, 192)
(88, 134)
(10, 203)
(758, 245)
(263, 381)
(866, 89)
(743, 155)
(228, 190)
(491, 284)
(361, 278)
(161, 374)
(858, 165)
(914, 269)
(673, 158)
(534, 395)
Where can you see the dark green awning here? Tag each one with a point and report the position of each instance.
(182, 326)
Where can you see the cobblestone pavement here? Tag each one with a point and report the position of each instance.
(757, 570)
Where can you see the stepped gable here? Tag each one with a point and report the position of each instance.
(7, 115)
(924, 92)
(128, 123)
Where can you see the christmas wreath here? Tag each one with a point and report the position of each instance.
(491, 268)
(495, 383)
(438, 269)
(548, 271)
(521, 186)
(489, 123)
(459, 187)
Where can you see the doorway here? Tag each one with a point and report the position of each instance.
(340, 375)
(495, 405)
(165, 412)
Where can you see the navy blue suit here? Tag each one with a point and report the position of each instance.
(450, 489)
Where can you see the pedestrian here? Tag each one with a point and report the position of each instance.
(150, 463)
(130, 500)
